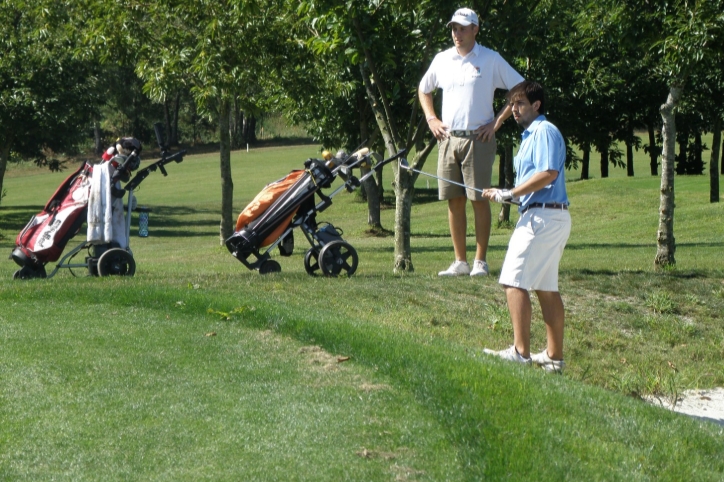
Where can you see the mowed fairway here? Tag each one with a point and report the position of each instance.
(199, 369)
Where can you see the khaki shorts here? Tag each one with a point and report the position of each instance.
(467, 161)
(535, 250)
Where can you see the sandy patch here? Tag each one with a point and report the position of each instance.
(705, 404)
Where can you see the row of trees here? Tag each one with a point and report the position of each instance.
(349, 70)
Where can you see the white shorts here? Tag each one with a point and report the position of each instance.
(535, 250)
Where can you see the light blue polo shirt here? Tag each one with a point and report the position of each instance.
(542, 148)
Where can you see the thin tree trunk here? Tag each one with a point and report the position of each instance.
(586, 162)
(226, 228)
(364, 137)
(722, 150)
(167, 122)
(374, 220)
(404, 187)
(501, 170)
(97, 138)
(509, 181)
(4, 156)
(604, 162)
(666, 245)
(653, 154)
(714, 163)
(629, 157)
(173, 141)
(682, 164)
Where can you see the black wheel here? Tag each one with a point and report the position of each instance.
(116, 262)
(311, 261)
(338, 257)
(270, 266)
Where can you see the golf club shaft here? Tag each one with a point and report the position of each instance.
(451, 182)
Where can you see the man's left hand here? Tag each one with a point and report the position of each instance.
(486, 133)
(498, 195)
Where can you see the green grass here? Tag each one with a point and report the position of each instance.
(117, 378)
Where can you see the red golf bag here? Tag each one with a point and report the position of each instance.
(44, 238)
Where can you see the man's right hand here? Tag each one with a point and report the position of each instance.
(438, 129)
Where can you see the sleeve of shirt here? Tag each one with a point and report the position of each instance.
(428, 83)
(549, 151)
(506, 77)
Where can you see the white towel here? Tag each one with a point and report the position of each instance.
(106, 219)
(100, 211)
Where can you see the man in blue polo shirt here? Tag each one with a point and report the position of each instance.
(537, 243)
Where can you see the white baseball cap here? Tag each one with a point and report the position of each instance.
(464, 17)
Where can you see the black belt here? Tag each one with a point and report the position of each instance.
(461, 133)
(546, 206)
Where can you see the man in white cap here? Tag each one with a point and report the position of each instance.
(468, 75)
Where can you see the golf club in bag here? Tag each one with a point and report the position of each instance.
(405, 165)
(44, 238)
(268, 221)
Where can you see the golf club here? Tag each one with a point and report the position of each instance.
(405, 165)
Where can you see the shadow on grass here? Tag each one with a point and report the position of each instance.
(14, 218)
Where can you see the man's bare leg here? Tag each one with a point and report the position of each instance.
(520, 314)
(458, 226)
(551, 305)
(481, 209)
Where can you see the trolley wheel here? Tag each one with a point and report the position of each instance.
(338, 257)
(116, 262)
(311, 261)
(270, 266)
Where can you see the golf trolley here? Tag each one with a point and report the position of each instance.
(43, 239)
(269, 220)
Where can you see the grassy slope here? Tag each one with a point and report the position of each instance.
(422, 335)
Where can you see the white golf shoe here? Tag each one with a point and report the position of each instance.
(458, 268)
(547, 363)
(509, 354)
(480, 268)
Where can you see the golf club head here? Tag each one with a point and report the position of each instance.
(404, 164)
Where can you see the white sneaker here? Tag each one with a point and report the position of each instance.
(543, 360)
(480, 268)
(458, 268)
(509, 354)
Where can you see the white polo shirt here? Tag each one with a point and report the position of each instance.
(468, 85)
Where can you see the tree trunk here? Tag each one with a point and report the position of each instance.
(714, 163)
(98, 149)
(501, 170)
(666, 245)
(698, 150)
(167, 122)
(173, 141)
(586, 162)
(4, 156)
(374, 220)
(404, 187)
(682, 158)
(653, 151)
(226, 228)
(604, 162)
(509, 182)
(365, 138)
(629, 157)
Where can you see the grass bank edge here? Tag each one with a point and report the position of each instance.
(505, 419)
